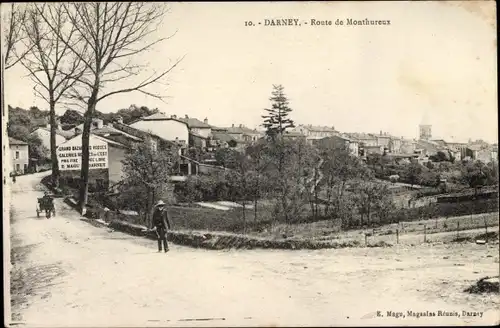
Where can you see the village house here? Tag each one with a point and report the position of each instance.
(368, 150)
(19, 151)
(43, 134)
(383, 139)
(222, 139)
(428, 147)
(185, 166)
(339, 142)
(291, 135)
(455, 152)
(97, 123)
(481, 152)
(408, 146)
(395, 144)
(105, 169)
(196, 127)
(242, 133)
(364, 139)
(166, 128)
(315, 132)
(494, 153)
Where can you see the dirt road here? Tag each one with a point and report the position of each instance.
(69, 273)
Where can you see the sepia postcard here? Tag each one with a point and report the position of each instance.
(256, 164)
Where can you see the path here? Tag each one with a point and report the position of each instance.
(76, 274)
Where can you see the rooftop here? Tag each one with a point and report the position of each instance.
(190, 121)
(241, 129)
(316, 128)
(223, 136)
(154, 117)
(107, 130)
(360, 136)
(13, 141)
(62, 133)
(194, 123)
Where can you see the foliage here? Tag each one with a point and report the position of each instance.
(372, 198)
(412, 174)
(442, 156)
(120, 32)
(477, 174)
(339, 169)
(277, 121)
(21, 123)
(146, 175)
(290, 167)
(134, 112)
(37, 113)
(72, 117)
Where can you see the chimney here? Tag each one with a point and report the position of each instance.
(380, 132)
(187, 116)
(232, 125)
(205, 120)
(241, 125)
(97, 123)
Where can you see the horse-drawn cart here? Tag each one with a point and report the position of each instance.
(46, 203)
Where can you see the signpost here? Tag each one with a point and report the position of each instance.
(69, 154)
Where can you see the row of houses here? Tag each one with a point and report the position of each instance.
(114, 140)
(186, 133)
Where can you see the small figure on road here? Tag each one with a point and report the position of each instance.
(160, 223)
(14, 178)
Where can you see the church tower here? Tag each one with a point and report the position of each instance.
(425, 131)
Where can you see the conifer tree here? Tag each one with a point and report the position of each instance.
(277, 120)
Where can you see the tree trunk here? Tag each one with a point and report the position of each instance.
(53, 145)
(244, 217)
(255, 207)
(84, 176)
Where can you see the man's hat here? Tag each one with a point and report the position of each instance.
(160, 203)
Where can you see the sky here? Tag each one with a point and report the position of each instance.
(435, 63)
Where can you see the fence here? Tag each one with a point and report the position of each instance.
(466, 228)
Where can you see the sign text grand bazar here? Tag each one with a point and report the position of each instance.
(70, 157)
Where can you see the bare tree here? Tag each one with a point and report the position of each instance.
(112, 34)
(13, 34)
(51, 65)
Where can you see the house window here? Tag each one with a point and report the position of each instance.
(18, 167)
(17, 154)
(25, 167)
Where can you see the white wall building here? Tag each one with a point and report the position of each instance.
(164, 127)
(44, 134)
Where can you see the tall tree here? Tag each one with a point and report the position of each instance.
(111, 35)
(277, 120)
(339, 168)
(12, 22)
(52, 67)
(12, 18)
(372, 198)
(475, 174)
(413, 173)
(147, 174)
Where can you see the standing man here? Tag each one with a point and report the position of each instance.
(160, 223)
